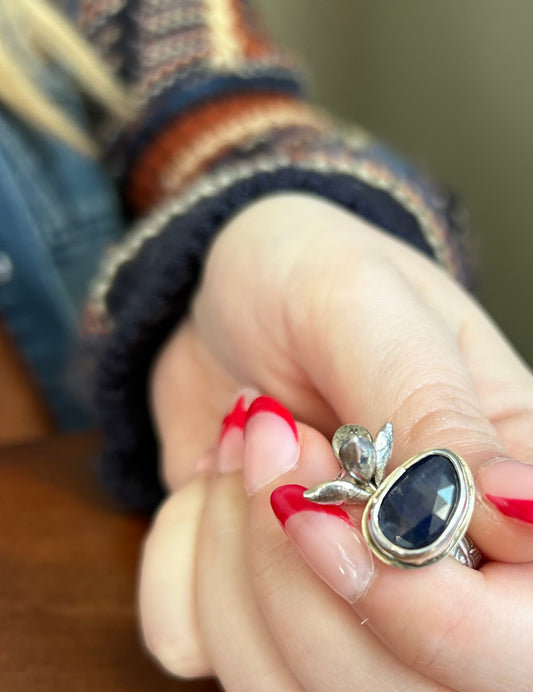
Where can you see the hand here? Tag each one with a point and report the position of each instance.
(267, 622)
(261, 628)
(344, 324)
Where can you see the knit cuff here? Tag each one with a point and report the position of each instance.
(147, 284)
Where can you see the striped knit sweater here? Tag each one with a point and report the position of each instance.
(222, 123)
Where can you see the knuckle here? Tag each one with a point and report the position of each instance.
(338, 299)
(516, 415)
(437, 414)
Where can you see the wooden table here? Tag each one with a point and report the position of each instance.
(67, 577)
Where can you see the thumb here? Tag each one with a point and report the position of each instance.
(392, 357)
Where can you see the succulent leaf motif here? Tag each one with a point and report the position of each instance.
(336, 493)
(363, 463)
(348, 432)
(383, 447)
(358, 458)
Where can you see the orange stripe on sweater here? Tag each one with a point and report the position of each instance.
(192, 142)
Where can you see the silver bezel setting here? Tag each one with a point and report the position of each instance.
(452, 535)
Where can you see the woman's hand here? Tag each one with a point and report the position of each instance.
(262, 620)
(342, 323)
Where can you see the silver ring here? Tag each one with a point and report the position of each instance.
(415, 516)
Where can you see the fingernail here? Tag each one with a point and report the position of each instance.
(231, 440)
(508, 485)
(270, 443)
(327, 540)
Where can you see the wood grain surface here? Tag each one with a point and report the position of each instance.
(68, 560)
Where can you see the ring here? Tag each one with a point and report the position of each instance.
(415, 516)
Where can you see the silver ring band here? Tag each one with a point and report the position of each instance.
(416, 515)
(467, 553)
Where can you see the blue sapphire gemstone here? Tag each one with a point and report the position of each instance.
(418, 507)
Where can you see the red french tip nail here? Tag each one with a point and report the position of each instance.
(512, 507)
(266, 404)
(236, 418)
(288, 500)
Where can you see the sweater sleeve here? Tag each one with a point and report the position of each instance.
(223, 122)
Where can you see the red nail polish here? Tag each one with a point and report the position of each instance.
(270, 443)
(266, 404)
(327, 540)
(513, 507)
(236, 418)
(288, 500)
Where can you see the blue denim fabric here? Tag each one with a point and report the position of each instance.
(58, 213)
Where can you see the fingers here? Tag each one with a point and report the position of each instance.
(240, 644)
(503, 381)
(326, 646)
(389, 337)
(190, 393)
(468, 630)
(183, 566)
(504, 385)
(386, 336)
(423, 624)
(395, 359)
(167, 585)
(246, 651)
(465, 628)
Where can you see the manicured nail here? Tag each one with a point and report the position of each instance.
(231, 441)
(270, 443)
(508, 485)
(327, 540)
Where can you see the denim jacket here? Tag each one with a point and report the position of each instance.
(58, 212)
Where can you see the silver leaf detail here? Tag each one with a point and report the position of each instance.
(336, 493)
(346, 433)
(383, 447)
(358, 457)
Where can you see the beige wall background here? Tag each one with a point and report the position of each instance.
(449, 83)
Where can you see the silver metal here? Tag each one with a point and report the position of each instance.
(467, 553)
(337, 492)
(383, 445)
(453, 533)
(346, 433)
(363, 461)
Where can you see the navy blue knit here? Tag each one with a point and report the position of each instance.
(151, 294)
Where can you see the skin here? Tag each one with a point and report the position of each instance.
(386, 335)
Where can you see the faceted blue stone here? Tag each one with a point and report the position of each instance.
(417, 508)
